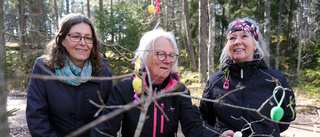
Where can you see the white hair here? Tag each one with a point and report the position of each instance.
(147, 42)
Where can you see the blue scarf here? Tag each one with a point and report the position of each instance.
(74, 72)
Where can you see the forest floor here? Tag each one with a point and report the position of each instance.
(306, 108)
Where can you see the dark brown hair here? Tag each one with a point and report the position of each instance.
(56, 53)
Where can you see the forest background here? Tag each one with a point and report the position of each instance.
(290, 27)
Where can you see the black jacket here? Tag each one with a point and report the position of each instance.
(175, 107)
(56, 109)
(253, 75)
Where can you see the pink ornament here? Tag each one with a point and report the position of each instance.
(157, 7)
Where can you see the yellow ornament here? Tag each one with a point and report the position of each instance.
(151, 9)
(137, 64)
(137, 84)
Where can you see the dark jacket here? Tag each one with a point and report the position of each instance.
(56, 109)
(253, 75)
(175, 107)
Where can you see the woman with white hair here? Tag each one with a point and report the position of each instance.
(159, 50)
(241, 62)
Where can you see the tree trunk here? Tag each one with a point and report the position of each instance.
(258, 11)
(241, 8)
(289, 39)
(300, 37)
(212, 36)
(267, 25)
(203, 40)
(166, 15)
(111, 12)
(169, 14)
(278, 36)
(172, 18)
(72, 10)
(38, 25)
(4, 127)
(221, 37)
(101, 6)
(56, 14)
(22, 28)
(188, 35)
(67, 5)
(88, 8)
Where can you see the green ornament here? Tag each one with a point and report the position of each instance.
(277, 112)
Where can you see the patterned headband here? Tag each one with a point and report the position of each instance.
(245, 26)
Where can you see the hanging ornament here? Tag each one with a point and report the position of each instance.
(137, 81)
(157, 6)
(226, 84)
(151, 9)
(277, 112)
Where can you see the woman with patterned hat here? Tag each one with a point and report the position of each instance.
(242, 63)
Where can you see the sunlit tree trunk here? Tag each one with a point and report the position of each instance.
(212, 36)
(300, 21)
(203, 40)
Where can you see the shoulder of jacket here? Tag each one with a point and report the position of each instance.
(124, 83)
(216, 76)
(39, 60)
(272, 72)
(40, 64)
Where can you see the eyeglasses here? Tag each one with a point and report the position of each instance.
(161, 55)
(77, 38)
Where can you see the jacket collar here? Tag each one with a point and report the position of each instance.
(244, 65)
(244, 68)
(168, 84)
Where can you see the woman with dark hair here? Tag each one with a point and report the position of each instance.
(58, 107)
(241, 62)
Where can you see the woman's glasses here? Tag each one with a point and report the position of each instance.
(161, 55)
(77, 38)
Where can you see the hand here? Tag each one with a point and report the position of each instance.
(228, 133)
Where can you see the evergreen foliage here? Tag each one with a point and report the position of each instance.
(126, 27)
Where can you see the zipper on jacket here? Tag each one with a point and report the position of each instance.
(162, 118)
(241, 73)
(154, 119)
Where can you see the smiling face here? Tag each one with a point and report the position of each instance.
(157, 67)
(241, 46)
(80, 51)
